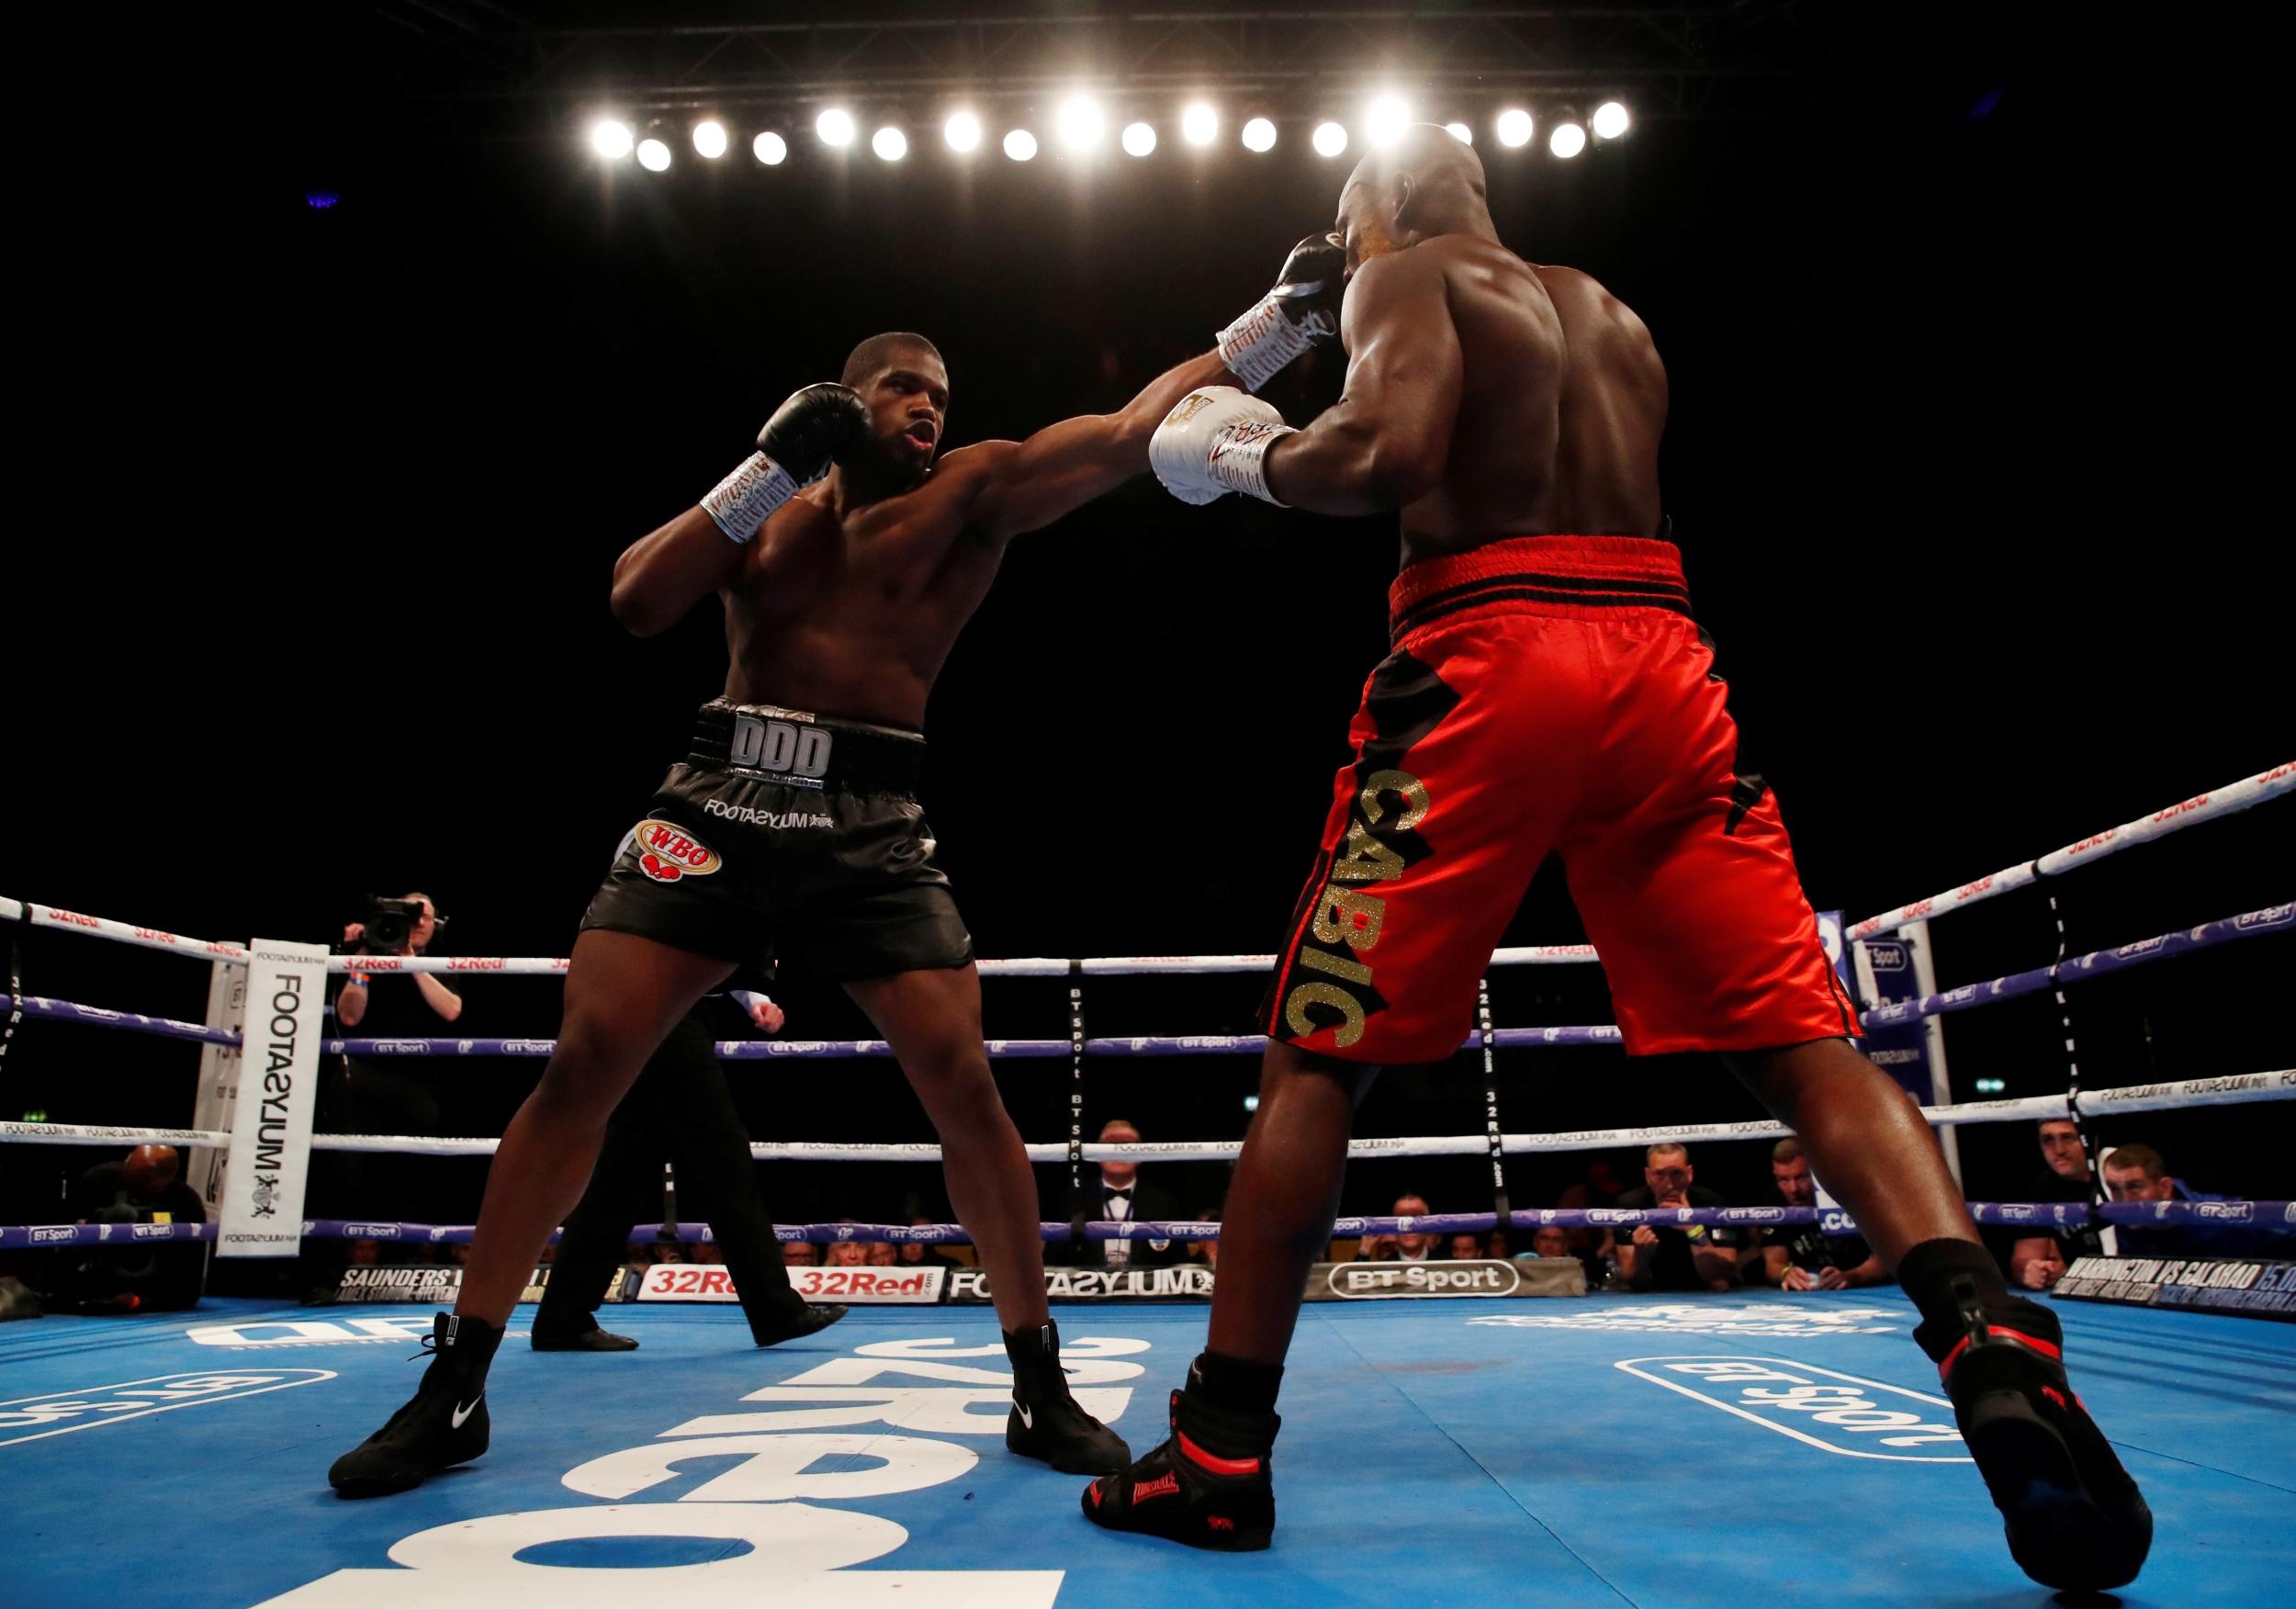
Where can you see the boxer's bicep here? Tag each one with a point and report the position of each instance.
(1387, 439)
(1030, 484)
(1059, 469)
(668, 572)
(1407, 372)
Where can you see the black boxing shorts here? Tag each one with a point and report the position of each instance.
(793, 837)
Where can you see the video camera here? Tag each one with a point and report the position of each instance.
(388, 923)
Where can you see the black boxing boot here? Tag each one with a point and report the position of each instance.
(2074, 1518)
(1207, 1486)
(445, 1425)
(1045, 1422)
(803, 1319)
(592, 1339)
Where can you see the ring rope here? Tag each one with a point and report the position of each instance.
(41, 915)
(2209, 806)
(760, 1050)
(2270, 1215)
(2228, 1090)
(2221, 802)
(2207, 935)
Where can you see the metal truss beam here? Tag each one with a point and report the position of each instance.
(471, 69)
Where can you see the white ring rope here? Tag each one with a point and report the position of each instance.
(2221, 801)
(2227, 801)
(40, 916)
(2232, 1091)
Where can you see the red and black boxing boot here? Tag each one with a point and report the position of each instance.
(1045, 1422)
(1208, 1486)
(445, 1423)
(2074, 1518)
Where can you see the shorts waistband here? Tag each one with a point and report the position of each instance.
(799, 749)
(1577, 577)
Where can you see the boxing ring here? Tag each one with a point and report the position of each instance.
(1439, 1451)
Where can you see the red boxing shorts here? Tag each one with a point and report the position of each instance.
(1551, 693)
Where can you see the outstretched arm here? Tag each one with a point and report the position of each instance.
(1029, 484)
(1384, 443)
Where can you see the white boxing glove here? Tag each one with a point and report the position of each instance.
(1213, 442)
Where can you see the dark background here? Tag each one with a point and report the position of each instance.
(313, 600)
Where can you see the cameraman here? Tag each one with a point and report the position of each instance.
(356, 999)
(370, 1095)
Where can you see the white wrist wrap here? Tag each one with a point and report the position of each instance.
(1237, 459)
(744, 501)
(1259, 344)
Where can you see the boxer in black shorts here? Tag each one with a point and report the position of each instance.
(846, 562)
(784, 823)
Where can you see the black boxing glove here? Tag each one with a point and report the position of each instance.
(807, 433)
(1302, 310)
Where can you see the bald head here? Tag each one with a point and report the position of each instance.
(1426, 182)
(150, 1169)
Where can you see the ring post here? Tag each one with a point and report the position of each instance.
(1491, 1104)
(208, 1166)
(271, 1129)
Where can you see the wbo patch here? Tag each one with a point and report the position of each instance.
(667, 853)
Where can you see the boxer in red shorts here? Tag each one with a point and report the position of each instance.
(1550, 691)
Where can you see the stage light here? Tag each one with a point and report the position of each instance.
(1611, 120)
(769, 149)
(653, 154)
(1140, 138)
(835, 127)
(1081, 122)
(709, 138)
(610, 138)
(1020, 145)
(1330, 140)
(963, 131)
(1568, 139)
(889, 143)
(1461, 132)
(1200, 125)
(1385, 120)
(1251, 1103)
(1259, 134)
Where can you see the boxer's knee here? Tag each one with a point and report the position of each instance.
(591, 1068)
(1798, 1082)
(956, 1086)
(1292, 1079)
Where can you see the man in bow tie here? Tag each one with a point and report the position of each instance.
(1123, 1199)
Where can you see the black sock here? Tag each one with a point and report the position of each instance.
(1930, 1271)
(1234, 1385)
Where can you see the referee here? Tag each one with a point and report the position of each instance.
(680, 1110)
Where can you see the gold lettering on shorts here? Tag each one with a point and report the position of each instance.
(1306, 995)
(1355, 918)
(1339, 966)
(1347, 923)
(1413, 791)
(1365, 859)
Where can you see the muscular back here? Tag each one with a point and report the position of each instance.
(1561, 403)
(1613, 410)
(1497, 478)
